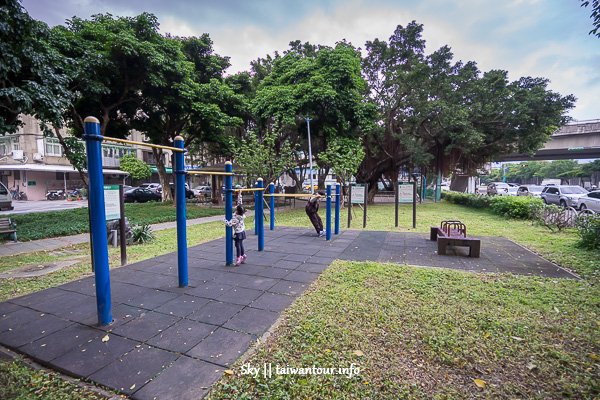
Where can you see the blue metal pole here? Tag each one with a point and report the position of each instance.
(93, 142)
(337, 208)
(272, 205)
(259, 213)
(182, 261)
(256, 209)
(228, 214)
(328, 228)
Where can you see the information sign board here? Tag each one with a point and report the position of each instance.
(112, 202)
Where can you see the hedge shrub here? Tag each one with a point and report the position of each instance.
(519, 207)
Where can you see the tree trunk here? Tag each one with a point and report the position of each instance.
(162, 174)
(69, 155)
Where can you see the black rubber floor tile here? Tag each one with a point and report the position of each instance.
(182, 305)
(246, 269)
(16, 318)
(288, 264)
(38, 298)
(125, 292)
(301, 276)
(182, 336)
(273, 302)
(223, 347)
(274, 273)
(85, 286)
(133, 370)
(289, 288)
(210, 290)
(240, 295)
(309, 267)
(174, 383)
(61, 342)
(146, 326)
(259, 283)
(88, 358)
(297, 257)
(121, 314)
(203, 274)
(215, 313)
(43, 325)
(7, 308)
(231, 278)
(252, 320)
(150, 301)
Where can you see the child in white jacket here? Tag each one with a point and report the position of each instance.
(237, 222)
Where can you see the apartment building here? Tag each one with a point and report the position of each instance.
(34, 164)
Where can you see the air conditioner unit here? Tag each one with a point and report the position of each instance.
(17, 154)
(38, 157)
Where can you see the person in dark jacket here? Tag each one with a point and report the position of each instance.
(312, 210)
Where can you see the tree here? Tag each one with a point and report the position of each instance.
(345, 156)
(31, 81)
(264, 157)
(137, 169)
(185, 96)
(319, 82)
(595, 15)
(436, 115)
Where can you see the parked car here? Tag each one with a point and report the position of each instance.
(530, 190)
(189, 193)
(497, 188)
(590, 201)
(563, 195)
(5, 199)
(202, 191)
(140, 195)
(155, 187)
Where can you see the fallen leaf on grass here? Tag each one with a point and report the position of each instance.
(556, 310)
(531, 366)
(358, 353)
(105, 338)
(518, 339)
(480, 383)
(594, 357)
(228, 372)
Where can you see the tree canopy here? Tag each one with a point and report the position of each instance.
(441, 115)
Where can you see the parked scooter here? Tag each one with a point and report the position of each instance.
(55, 195)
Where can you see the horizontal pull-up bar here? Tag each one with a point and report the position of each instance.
(158, 146)
(209, 173)
(289, 195)
(250, 189)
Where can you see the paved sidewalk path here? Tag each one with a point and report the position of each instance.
(168, 342)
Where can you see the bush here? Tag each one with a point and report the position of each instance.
(520, 207)
(588, 228)
(143, 234)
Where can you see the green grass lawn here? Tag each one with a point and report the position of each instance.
(413, 332)
(36, 226)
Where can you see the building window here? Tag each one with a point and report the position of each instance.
(4, 148)
(53, 147)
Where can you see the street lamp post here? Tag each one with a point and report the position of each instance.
(312, 187)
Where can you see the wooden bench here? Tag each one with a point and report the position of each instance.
(6, 226)
(454, 233)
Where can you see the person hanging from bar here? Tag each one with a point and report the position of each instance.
(237, 222)
(312, 210)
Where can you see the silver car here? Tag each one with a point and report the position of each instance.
(530, 190)
(590, 201)
(563, 195)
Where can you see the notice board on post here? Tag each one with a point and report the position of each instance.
(357, 195)
(405, 192)
(112, 202)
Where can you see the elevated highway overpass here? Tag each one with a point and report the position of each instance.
(578, 140)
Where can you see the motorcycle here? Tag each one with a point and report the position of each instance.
(55, 195)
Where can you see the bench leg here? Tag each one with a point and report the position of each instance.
(433, 233)
(442, 246)
(475, 249)
(15, 236)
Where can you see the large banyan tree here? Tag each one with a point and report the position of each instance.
(440, 116)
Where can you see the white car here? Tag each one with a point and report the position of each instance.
(202, 191)
(590, 201)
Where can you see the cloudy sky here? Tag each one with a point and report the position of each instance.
(540, 38)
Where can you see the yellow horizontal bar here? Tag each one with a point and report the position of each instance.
(289, 195)
(158, 146)
(210, 173)
(250, 189)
